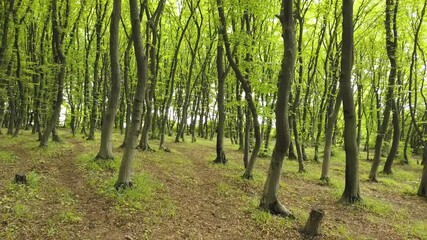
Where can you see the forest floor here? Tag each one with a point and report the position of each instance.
(183, 195)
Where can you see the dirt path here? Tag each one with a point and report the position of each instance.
(98, 213)
(208, 208)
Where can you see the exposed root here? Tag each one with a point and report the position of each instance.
(324, 181)
(346, 200)
(99, 157)
(373, 179)
(123, 185)
(220, 160)
(248, 176)
(276, 208)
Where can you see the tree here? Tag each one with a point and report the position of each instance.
(391, 45)
(246, 87)
(220, 154)
(59, 59)
(153, 23)
(106, 149)
(124, 178)
(269, 200)
(351, 190)
(99, 33)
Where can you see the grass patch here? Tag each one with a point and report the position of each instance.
(376, 206)
(7, 157)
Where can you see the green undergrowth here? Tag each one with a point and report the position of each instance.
(141, 197)
(16, 205)
(8, 156)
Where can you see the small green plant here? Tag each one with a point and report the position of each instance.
(224, 189)
(69, 216)
(7, 157)
(377, 206)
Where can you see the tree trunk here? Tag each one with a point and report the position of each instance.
(106, 148)
(246, 88)
(422, 190)
(144, 144)
(351, 191)
(100, 14)
(332, 118)
(220, 154)
(396, 138)
(169, 89)
(124, 178)
(59, 58)
(391, 43)
(269, 200)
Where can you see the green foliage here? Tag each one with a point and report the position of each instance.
(69, 216)
(377, 206)
(7, 156)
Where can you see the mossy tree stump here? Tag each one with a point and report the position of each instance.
(20, 178)
(314, 222)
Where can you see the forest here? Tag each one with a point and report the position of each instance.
(226, 119)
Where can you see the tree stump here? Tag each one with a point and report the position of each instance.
(314, 222)
(20, 178)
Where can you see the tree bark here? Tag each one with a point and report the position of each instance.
(351, 191)
(152, 24)
(248, 93)
(332, 118)
(124, 178)
(59, 59)
(220, 154)
(269, 200)
(391, 44)
(106, 148)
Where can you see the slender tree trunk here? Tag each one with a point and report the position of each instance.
(170, 89)
(59, 58)
(220, 154)
(124, 178)
(246, 143)
(144, 144)
(391, 43)
(126, 85)
(106, 149)
(332, 118)
(422, 190)
(395, 143)
(246, 88)
(269, 200)
(351, 190)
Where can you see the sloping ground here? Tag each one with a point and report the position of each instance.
(182, 195)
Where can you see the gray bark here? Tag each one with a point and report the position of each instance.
(269, 200)
(106, 149)
(124, 179)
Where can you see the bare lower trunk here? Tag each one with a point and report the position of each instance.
(269, 200)
(396, 138)
(106, 149)
(351, 192)
(59, 59)
(220, 155)
(422, 190)
(124, 178)
(328, 139)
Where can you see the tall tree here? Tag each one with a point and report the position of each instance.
(269, 200)
(106, 149)
(59, 59)
(124, 178)
(220, 154)
(100, 12)
(391, 46)
(351, 190)
(153, 23)
(246, 87)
